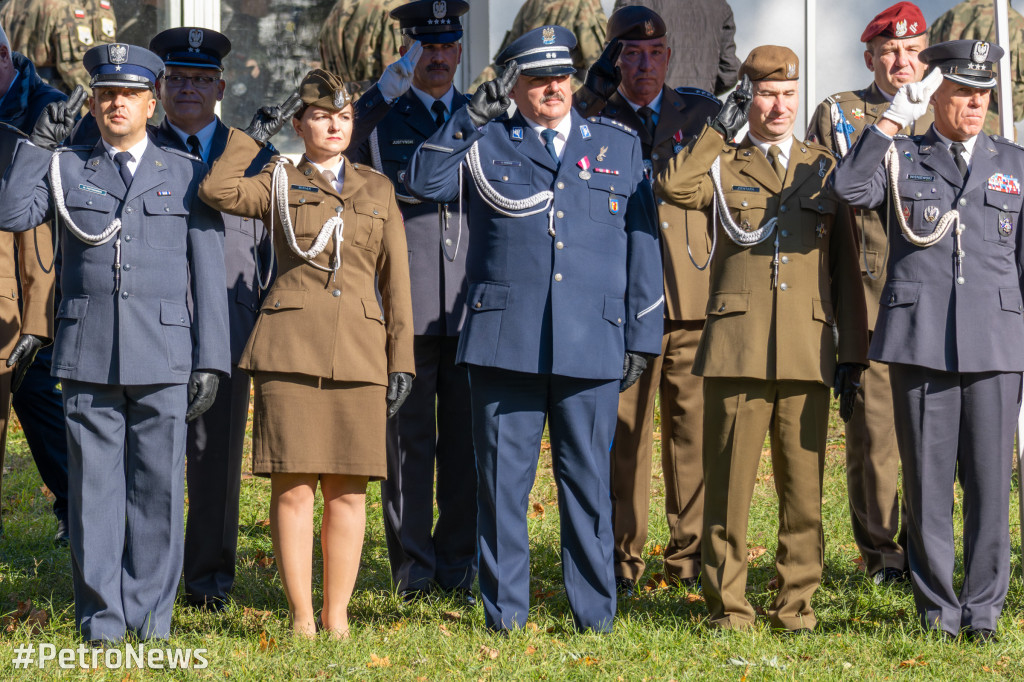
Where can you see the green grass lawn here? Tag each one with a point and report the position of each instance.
(864, 632)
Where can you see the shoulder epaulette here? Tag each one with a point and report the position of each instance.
(612, 123)
(1003, 140)
(187, 155)
(369, 169)
(74, 148)
(699, 92)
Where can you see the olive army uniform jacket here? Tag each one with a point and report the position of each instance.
(682, 110)
(848, 114)
(312, 322)
(755, 330)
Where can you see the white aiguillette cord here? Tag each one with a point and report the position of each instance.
(57, 188)
(892, 163)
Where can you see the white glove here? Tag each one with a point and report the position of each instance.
(911, 101)
(397, 77)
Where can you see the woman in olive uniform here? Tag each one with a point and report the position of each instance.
(331, 353)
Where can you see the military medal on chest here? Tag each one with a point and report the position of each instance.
(678, 140)
(584, 165)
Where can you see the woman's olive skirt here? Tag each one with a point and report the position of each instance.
(311, 425)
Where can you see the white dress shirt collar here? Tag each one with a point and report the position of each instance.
(338, 170)
(137, 151)
(428, 100)
(968, 145)
(654, 106)
(205, 136)
(563, 129)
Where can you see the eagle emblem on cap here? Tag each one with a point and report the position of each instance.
(195, 39)
(649, 28)
(547, 35)
(340, 98)
(117, 53)
(790, 70)
(979, 53)
(440, 9)
(901, 28)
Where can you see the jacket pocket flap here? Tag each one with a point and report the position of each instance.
(488, 296)
(371, 208)
(371, 308)
(726, 303)
(821, 310)
(247, 297)
(285, 299)
(819, 205)
(9, 288)
(1003, 201)
(1010, 300)
(606, 182)
(73, 308)
(90, 201)
(172, 313)
(744, 201)
(614, 310)
(497, 171)
(898, 293)
(165, 206)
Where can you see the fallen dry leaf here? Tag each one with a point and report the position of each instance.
(658, 550)
(538, 510)
(532, 627)
(444, 631)
(262, 560)
(24, 608)
(378, 662)
(755, 552)
(263, 523)
(453, 616)
(693, 598)
(545, 445)
(37, 620)
(530, 650)
(488, 652)
(267, 643)
(50, 497)
(914, 662)
(859, 563)
(773, 584)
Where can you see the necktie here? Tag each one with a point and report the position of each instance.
(439, 110)
(122, 159)
(958, 150)
(647, 116)
(194, 147)
(549, 143)
(773, 157)
(331, 178)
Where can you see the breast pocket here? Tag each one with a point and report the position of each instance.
(747, 208)
(92, 211)
(921, 212)
(166, 222)
(499, 172)
(819, 215)
(369, 228)
(1002, 210)
(608, 197)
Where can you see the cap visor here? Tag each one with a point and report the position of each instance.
(548, 71)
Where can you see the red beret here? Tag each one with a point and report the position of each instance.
(902, 20)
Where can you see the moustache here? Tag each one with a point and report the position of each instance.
(556, 97)
(438, 67)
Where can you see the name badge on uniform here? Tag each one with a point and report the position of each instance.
(921, 178)
(306, 188)
(403, 141)
(517, 133)
(1004, 183)
(585, 132)
(613, 204)
(94, 190)
(744, 188)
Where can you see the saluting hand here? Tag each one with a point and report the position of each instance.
(269, 120)
(604, 75)
(911, 100)
(397, 77)
(491, 99)
(23, 354)
(734, 112)
(58, 118)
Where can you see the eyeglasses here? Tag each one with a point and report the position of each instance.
(177, 81)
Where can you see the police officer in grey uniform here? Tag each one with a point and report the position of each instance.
(189, 91)
(134, 361)
(950, 324)
(430, 429)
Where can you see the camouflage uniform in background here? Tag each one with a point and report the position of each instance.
(358, 40)
(585, 18)
(976, 20)
(55, 35)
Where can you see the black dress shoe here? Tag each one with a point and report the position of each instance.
(981, 636)
(889, 576)
(625, 587)
(62, 539)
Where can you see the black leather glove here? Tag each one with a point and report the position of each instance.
(491, 99)
(845, 387)
(399, 386)
(633, 366)
(604, 75)
(268, 120)
(55, 123)
(202, 389)
(23, 354)
(733, 114)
